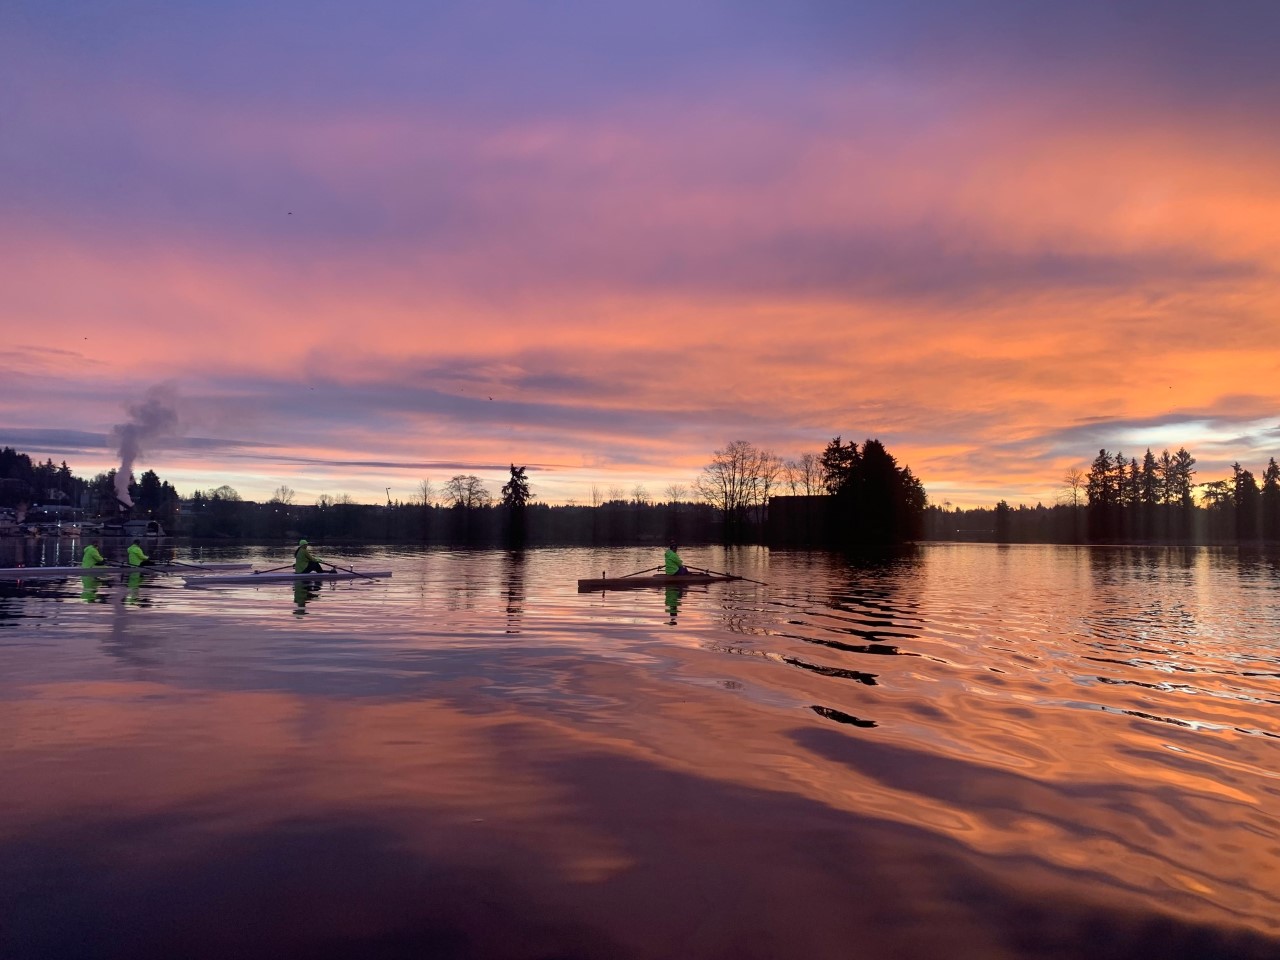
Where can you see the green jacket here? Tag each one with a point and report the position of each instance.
(136, 556)
(672, 560)
(303, 558)
(92, 558)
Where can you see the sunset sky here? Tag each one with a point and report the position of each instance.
(354, 246)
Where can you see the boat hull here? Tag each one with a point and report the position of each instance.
(234, 579)
(657, 580)
(50, 573)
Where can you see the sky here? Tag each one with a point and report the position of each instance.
(346, 247)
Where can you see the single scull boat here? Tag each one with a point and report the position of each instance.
(265, 577)
(657, 580)
(48, 573)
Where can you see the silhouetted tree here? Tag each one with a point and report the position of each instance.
(730, 482)
(156, 498)
(1104, 497)
(466, 492)
(515, 496)
(515, 492)
(1270, 501)
(1003, 522)
(839, 462)
(877, 501)
(1248, 502)
(1148, 496)
(1183, 483)
(1074, 482)
(804, 475)
(102, 494)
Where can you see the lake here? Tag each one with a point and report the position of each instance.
(960, 751)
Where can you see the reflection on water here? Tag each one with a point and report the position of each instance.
(672, 597)
(513, 581)
(955, 751)
(304, 591)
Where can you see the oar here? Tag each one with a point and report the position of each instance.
(145, 568)
(274, 569)
(128, 566)
(721, 573)
(349, 570)
(638, 572)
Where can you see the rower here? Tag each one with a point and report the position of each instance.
(137, 558)
(674, 565)
(92, 558)
(304, 561)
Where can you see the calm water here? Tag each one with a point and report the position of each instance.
(965, 751)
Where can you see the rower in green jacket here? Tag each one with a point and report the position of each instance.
(674, 565)
(304, 561)
(137, 558)
(92, 558)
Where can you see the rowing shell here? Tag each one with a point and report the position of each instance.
(264, 577)
(657, 580)
(47, 573)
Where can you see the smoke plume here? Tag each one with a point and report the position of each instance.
(151, 421)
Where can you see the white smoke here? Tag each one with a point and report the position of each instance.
(151, 421)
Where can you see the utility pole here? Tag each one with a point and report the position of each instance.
(388, 496)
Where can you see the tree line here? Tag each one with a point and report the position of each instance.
(1121, 499)
(1155, 500)
(27, 485)
(845, 496)
(849, 494)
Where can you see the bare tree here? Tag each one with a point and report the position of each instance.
(639, 495)
(466, 491)
(791, 476)
(768, 476)
(283, 495)
(810, 474)
(676, 493)
(803, 477)
(1075, 483)
(426, 493)
(324, 500)
(597, 497)
(226, 492)
(617, 494)
(729, 481)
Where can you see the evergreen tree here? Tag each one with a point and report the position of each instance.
(515, 492)
(1270, 501)
(1149, 483)
(1247, 502)
(1168, 478)
(102, 494)
(877, 502)
(15, 478)
(1003, 522)
(1183, 483)
(1103, 497)
(839, 462)
(1183, 471)
(1148, 496)
(515, 496)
